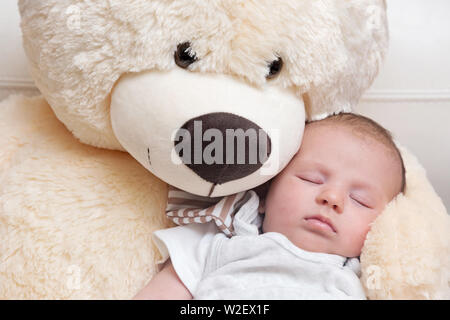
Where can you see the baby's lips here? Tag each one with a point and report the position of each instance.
(321, 222)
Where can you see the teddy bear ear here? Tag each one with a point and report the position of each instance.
(364, 36)
(72, 64)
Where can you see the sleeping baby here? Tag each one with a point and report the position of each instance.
(306, 240)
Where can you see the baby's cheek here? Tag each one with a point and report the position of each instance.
(281, 216)
(355, 238)
(284, 202)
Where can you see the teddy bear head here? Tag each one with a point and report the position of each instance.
(173, 82)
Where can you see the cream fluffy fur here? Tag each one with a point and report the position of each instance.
(76, 221)
(71, 212)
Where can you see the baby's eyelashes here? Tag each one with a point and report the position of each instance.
(361, 202)
(310, 178)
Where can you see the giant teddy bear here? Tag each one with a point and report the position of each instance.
(84, 168)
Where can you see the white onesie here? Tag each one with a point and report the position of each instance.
(251, 265)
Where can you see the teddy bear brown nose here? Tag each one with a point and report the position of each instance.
(221, 147)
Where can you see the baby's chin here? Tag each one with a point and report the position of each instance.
(321, 248)
(317, 243)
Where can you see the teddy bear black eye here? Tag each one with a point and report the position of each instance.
(275, 68)
(183, 58)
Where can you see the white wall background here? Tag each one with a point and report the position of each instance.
(14, 74)
(411, 96)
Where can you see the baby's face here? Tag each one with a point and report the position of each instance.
(332, 190)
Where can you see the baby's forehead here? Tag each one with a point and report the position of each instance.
(322, 134)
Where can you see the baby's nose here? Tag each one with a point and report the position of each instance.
(331, 198)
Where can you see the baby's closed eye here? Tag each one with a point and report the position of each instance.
(361, 200)
(311, 178)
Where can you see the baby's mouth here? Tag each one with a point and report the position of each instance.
(321, 222)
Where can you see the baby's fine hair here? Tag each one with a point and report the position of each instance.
(368, 128)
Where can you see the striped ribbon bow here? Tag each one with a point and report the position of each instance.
(185, 208)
